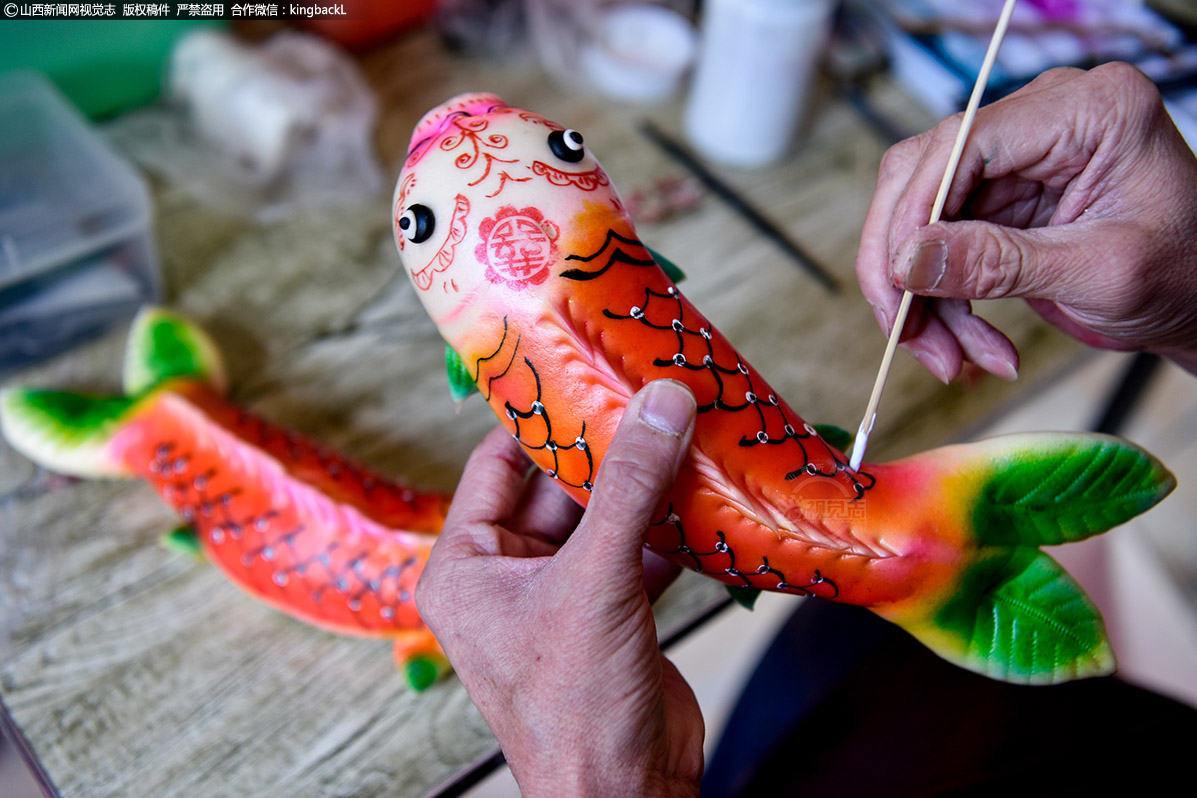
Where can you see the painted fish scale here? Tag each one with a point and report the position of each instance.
(754, 464)
(263, 527)
(522, 253)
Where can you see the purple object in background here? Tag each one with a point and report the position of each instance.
(1057, 9)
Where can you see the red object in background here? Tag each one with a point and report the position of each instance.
(370, 22)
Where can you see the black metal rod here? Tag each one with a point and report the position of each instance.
(470, 777)
(1125, 397)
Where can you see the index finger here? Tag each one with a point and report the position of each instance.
(1007, 137)
(491, 483)
(875, 253)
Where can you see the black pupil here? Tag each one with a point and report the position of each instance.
(425, 223)
(567, 145)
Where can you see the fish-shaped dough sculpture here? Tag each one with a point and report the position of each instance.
(552, 307)
(293, 523)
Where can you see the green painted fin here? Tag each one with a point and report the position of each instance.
(183, 540)
(1015, 614)
(745, 595)
(1020, 617)
(838, 437)
(671, 269)
(461, 385)
(1060, 488)
(65, 432)
(163, 346)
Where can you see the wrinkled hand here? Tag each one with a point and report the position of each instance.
(550, 628)
(1075, 192)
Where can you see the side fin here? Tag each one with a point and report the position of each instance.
(183, 540)
(162, 346)
(65, 432)
(461, 385)
(671, 269)
(838, 437)
(744, 595)
(420, 658)
(1013, 613)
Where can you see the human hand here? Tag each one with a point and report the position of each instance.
(550, 628)
(1075, 192)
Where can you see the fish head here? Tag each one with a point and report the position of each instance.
(485, 200)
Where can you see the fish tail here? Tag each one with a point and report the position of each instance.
(66, 432)
(164, 346)
(1010, 611)
(70, 432)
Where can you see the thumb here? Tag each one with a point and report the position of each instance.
(980, 260)
(636, 472)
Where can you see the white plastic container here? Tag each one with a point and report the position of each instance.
(756, 63)
(634, 51)
(639, 52)
(76, 253)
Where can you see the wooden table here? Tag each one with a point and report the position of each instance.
(130, 670)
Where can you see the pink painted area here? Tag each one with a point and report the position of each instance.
(434, 123)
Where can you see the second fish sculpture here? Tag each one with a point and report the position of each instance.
(523, 254)
(288, 520)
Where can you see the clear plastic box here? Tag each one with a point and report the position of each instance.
(76, 251)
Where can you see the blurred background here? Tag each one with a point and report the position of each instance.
(236, 160)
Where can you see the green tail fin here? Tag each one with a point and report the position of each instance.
(65, 432)
(70, 432)
(163, 346)
(1020, 617)
(1015, 614)
(1064, 488)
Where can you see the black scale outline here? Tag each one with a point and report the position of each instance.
(550, 444)
(722, 548)
(861, 481)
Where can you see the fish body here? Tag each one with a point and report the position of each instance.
(288, 520)
(522, 253)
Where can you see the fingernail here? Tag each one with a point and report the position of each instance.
(998, 366)
(928, 266)
(934, 364)
(882, 317)
(667, 406)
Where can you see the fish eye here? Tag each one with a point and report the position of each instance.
(417, 224)
(567, 145)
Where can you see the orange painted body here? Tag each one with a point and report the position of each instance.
(524, 256)
(288, 520)
(762, 500)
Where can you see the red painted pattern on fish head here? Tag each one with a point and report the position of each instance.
(480, 207)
